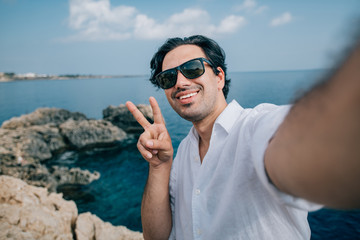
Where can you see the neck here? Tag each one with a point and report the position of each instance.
(204, 129)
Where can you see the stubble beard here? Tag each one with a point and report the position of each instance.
(194, 115)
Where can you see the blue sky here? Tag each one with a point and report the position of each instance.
(120, 37)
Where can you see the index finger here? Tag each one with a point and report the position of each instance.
(158, 118)
(139, 117)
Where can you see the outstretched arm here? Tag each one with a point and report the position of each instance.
(315, 153)
(156, 148)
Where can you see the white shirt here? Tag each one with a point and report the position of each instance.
(229, 196)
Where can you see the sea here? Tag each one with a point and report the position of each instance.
(116, 196)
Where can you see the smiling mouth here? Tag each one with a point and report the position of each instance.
(188, 95)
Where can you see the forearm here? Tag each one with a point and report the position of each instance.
(315, 153)
(155, 209)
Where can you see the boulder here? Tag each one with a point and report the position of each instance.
(42, 116)
(91, 133)
(39, 175)
(63, 175)
(35, 174)
(23, 150)
(122, 118)
(34, 143)
(29, 212)
(89, 226)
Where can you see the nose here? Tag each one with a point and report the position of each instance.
(182, 81)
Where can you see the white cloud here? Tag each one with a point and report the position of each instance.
(97, 20)
(246, 5)
(261, 9)
(231, 23)
(281, 20)
(250, 6)
(183, 24)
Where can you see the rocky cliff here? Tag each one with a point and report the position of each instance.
(27, 142)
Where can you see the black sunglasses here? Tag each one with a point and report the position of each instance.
(191, 69)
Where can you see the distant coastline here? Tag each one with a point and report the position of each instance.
(10, 76)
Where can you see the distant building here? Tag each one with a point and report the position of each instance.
(26, 75)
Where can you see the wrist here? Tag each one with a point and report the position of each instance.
(164, 167)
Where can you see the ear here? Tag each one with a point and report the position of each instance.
(220, 78)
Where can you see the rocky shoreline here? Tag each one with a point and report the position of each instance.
(29, 141)
(32, 213)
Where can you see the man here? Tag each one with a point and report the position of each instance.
(245, 173)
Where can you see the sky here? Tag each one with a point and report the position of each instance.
(120, 37)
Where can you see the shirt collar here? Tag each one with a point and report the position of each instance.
(226, 119)
(229, 116)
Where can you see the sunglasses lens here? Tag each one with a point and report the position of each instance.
(192, 69)
(167, 79)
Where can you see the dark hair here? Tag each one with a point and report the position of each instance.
(212, 50)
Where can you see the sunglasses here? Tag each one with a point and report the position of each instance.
(191, 69)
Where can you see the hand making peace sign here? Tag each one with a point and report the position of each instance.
(154, 143)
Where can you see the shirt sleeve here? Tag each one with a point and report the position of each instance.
(268, 119)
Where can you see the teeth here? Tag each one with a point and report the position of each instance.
(188, 95)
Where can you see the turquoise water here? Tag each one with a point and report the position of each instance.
(116, 197)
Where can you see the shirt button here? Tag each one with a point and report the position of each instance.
(197, 191)
(198, 231)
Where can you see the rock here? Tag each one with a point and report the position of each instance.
(121, 117)
(51, 136)
(91, 133)
(43, 116)
(29, 140)
(35, 143)
(28, 212)
(35, 174)
(24, 149)
(89, 226)
(26, 142)
(73, 176)
(39, 175)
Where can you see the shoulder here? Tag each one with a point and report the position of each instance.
(267, 107)
(257, 111)
(251, 119)
(268, 114)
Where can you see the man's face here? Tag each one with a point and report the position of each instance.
(193, 99)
